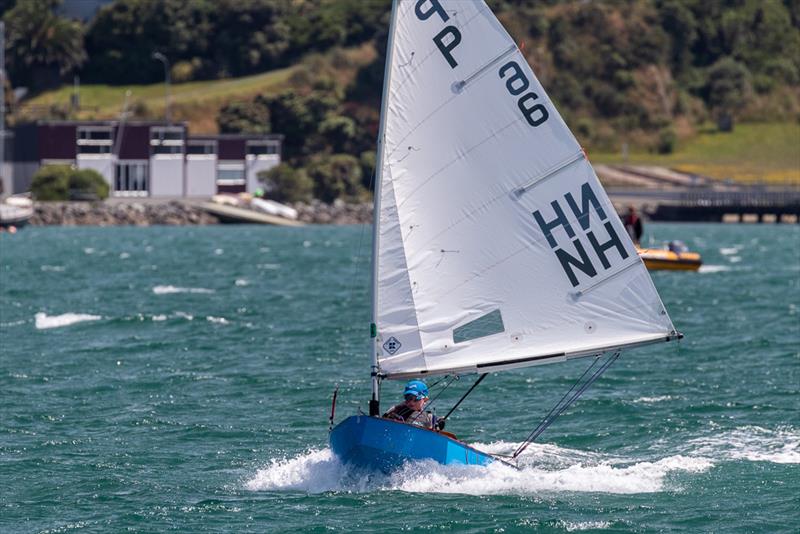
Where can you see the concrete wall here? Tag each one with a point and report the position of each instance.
(22, 177)
(166, 175)
(201, 175)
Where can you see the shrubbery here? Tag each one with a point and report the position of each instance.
(287, 184)
(62, 182)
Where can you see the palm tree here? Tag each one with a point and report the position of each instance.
(41, 46)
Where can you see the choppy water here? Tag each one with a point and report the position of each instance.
(179, 379)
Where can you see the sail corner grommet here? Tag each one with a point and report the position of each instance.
(457, 87)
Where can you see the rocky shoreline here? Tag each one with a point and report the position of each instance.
(177, 213)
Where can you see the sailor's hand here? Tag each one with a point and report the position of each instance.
(440, 424)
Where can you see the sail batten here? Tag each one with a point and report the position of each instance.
(488, 205)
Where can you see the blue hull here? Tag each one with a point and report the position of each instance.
(384, 445)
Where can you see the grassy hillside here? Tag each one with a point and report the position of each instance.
(198, 103)
(753, 153)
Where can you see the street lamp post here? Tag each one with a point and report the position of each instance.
(167, 97)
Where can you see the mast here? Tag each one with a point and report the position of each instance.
(374, 403)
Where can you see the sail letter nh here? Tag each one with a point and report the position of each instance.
(447, 39)
(582, 262)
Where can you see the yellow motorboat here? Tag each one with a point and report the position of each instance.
(675, 256)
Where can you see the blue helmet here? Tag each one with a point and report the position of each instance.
(417, 388)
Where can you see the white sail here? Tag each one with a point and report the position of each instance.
(497, 246)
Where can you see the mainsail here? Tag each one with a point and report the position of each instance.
(496, 246)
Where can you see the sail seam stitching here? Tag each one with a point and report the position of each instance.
(460, 157)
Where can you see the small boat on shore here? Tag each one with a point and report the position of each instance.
(244, 209)
(15, 212)
(675, 256)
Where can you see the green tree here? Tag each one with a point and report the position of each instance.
(336, 176)
(41, 47)
(244, 117)
(297, 117)
(728, 91)
(284, 183)
(123, 36)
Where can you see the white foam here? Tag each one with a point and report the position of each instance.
(184, 315)
(158, 318)
(216, 320)
(753, 443)
(13, 323)
(53, 268)
(241, 282)
(543, 469)
(714, 268)
(167, 290)
(729, 251)
(571, 526)
(124, 256)
(735, 259)
(88, 250)
(651, 400)
(268, 266)
(44, 321)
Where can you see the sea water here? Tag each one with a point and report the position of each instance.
(157, 379)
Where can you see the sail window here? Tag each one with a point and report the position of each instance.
(486, 325)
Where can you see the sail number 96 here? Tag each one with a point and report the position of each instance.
(517, 84)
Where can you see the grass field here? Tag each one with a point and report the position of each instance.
(197, 103)
(752, 153)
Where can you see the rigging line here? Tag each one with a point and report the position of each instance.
(361, 239)
(454, 378)
(563, 404)
(445, 377)
(555, 407)
(577, 394)
(478, 381)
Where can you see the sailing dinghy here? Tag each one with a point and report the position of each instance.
(494, 245)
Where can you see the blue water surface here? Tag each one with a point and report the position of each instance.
(179, 379)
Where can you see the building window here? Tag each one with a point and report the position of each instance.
(230, 175)
(197, 148)
(131, 179)
(261, 148)
(95, 139)
(166, 139)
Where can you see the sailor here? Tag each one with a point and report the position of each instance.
(633, 225)
(411, 411)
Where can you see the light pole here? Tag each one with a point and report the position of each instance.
(163, 59)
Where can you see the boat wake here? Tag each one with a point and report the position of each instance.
(169, 290)
(753, 443)
(44, 321)
(706, 269)
(544, 468)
